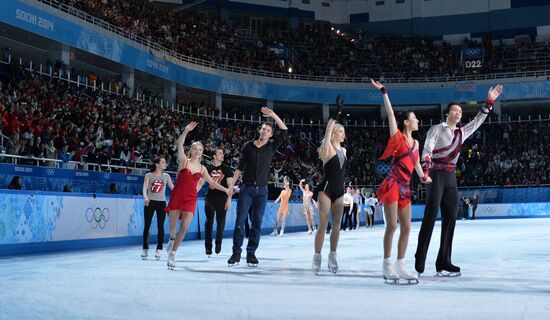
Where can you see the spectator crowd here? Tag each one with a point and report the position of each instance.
(318, 50)
(44, 117)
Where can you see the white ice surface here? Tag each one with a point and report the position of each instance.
(505, 267)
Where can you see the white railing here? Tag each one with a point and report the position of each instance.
(88, 166)
(179, 58)
(3, 138)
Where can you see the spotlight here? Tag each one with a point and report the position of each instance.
(338, 31)
(289, 69)
(332, 28)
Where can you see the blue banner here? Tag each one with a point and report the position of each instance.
(34, 221)
(279, 50)
(54, 179)
(473, 53)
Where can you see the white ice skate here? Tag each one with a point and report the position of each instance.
(274, 233)
(389, 272)
(282, 233)
(403, 273)
(309, 231)
(171, 260)
(316, 264)
(332, 264)
(158, 253)
(169, 246)
(144, 254)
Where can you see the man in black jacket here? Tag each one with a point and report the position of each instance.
(254, 164)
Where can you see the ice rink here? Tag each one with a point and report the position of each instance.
(505, 275)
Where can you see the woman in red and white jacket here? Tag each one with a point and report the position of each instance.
(395, 193)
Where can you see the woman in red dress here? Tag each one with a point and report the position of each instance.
(395, 192)
(183, 199)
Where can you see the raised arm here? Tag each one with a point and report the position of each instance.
(181, 140)
(473, 125)
(268, 113)
(326, 146)
(387, 105)
(364, 194)
(301, 185)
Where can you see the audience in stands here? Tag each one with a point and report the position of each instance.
(62, 121)
(318, 51)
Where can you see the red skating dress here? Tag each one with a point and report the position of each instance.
(396, 187)
(184, 195)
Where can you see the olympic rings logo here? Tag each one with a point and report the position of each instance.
(472, 51)
(50, 172)
(98, 217)
(490, 209)
(374, 96)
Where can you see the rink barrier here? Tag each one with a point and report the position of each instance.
(87, 181)
(39, 221)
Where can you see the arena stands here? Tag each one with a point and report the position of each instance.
(45, 117)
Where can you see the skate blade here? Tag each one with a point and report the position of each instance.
(171, 267)
(447, 274)
(232, 264)
(333, 270)
(391, 280)
(252, 265)
(157, 258)
(143, 258)
(408, 281)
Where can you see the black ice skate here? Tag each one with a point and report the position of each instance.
(449, 271)
(235, 259)
(251, 260)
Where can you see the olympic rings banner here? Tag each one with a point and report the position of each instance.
(33, 216)
(517, 210)
(37, 217)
